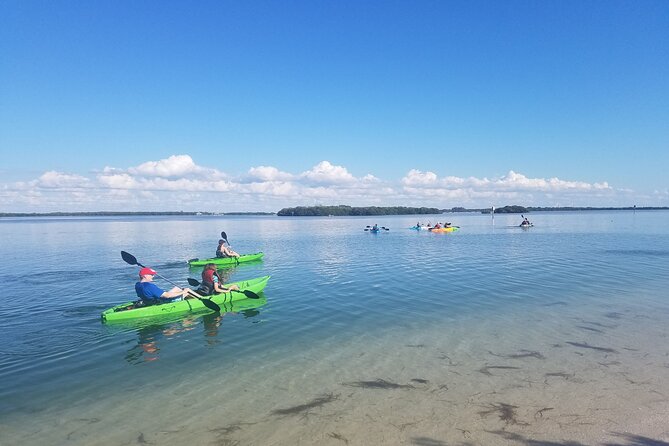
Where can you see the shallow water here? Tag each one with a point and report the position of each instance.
(493, 334)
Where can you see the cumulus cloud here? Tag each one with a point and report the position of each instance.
(416, 178)
(268, 173)
(327, 173)
(174, 166)
(510, 182)
(179, 181)
(59, 180)
(512, 187)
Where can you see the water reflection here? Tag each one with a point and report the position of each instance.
(151, 335)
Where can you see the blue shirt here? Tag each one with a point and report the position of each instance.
(148, 291)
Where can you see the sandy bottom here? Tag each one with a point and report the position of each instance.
(528, 379)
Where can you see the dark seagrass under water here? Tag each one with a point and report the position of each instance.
(579, 298)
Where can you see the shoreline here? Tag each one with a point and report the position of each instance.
(222, 214)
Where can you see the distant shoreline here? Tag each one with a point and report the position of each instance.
(314, 212)
(125, 214)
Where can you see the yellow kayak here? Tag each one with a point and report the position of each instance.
(446, 229)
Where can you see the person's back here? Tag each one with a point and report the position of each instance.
(220, 250)
(212, 282)
(148, 291)
(150, 294)
(209, 276)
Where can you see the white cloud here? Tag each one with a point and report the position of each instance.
(174, 166)
(177, 182)
(327, 173)
(268, 173)
(118, 181)
(511, 188)
(58, 180)
(417, 178)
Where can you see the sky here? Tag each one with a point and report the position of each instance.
(223, 106)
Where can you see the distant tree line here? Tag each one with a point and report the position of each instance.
(248, 213)
(511, 210)
(525, 210)
(343, 210)
(97, 214)
(122, 214)
(626, 208)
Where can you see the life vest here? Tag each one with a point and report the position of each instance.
(207, 285)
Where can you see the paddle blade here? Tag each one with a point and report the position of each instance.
(366, 229)
(129, 258)
(224, 237)
(211, 305)
(193, 282)
(250, 294)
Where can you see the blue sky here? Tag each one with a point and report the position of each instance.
(255, 106)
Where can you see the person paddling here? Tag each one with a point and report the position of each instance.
(151, 294)
(212, 282)
(223, 251)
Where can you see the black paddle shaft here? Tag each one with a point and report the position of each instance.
(132, 260)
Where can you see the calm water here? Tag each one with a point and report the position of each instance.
(343, 306)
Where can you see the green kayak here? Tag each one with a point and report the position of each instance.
(126, 311)
(222, 261)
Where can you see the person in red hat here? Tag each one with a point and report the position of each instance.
(151, 294)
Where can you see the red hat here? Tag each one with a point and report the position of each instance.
(146, 272)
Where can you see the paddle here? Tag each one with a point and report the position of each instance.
(132, 260)
(248, 293)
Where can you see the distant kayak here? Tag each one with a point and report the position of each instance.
(128, 311)
(377, 229)
(446, 229)
(421, 228)
(526, 225)
(219, 261)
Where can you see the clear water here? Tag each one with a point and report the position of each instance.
(343, 307)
